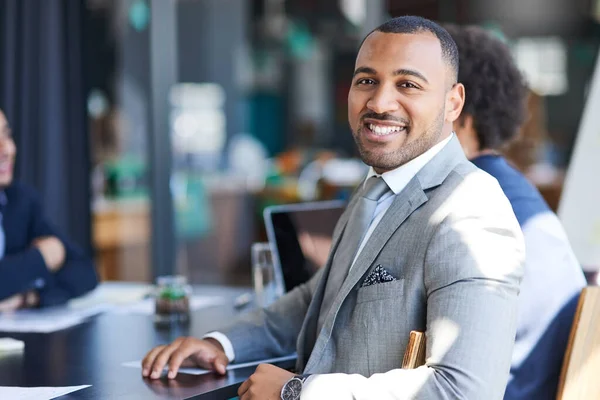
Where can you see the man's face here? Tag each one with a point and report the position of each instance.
(403, 98)
(8, 151)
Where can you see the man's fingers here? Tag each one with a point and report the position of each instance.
(220, 362)
(185, 350)
(148, 361)
(162, 359)
(244, 387)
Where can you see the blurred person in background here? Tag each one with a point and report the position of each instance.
(429, 242)
(494, 111)
(38, 266)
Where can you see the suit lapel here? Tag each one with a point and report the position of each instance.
(405, 203)
(308, 334)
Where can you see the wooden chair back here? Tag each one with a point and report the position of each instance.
(579, 379)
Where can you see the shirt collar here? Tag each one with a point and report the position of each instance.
(398, 178)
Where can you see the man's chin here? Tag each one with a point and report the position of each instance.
(380, 162)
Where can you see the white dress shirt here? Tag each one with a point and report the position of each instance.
(396, 179)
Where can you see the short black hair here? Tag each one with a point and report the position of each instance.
(413, 24)
(495, 90)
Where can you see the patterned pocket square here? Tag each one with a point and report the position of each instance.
(378, 275)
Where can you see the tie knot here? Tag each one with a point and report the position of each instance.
(375, 187)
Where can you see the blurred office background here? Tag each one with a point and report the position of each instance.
(158, 130)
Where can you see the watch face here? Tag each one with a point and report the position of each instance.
(292, 389)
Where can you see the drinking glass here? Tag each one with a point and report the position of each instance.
(267, 287)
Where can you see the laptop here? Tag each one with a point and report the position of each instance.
(300, 236)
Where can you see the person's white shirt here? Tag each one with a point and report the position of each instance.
(396, 179)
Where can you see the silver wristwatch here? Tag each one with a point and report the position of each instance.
(292, 388)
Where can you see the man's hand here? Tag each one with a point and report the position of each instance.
(265, 383)
(12, 303)
(20, 300)
(52, 251)
(185, 352)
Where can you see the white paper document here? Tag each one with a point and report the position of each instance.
(146, 306)
(10, 345)
(114, 293)
(37, 393)
(133, 298)
(46, 320)
(200, 371)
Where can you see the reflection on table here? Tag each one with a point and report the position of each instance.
(92, 353)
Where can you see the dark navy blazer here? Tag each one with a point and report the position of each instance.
(22, 268)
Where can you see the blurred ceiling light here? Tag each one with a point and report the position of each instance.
(543, 62)
(139, 15)
(185, 125)
(355, 11)
(197, 118)
(97, 104)
(197, 95)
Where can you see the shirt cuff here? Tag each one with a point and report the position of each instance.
(224, 341)
(310, 385)
(335, 386)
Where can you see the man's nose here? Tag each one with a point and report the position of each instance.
(384, 100)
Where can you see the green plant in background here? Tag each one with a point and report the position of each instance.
(126, 178)
(172, 293)
(192, 205)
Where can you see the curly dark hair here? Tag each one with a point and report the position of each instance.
(496, 92)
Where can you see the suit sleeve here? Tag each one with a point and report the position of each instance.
(272, 331)
(15, 279)
(472, 271)
(77, 275)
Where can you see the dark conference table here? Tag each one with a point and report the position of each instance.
(92, 353)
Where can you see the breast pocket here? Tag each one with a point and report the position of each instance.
(380, 291)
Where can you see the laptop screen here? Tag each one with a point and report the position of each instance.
(300, 236)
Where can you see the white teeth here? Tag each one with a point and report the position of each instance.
(384, 130)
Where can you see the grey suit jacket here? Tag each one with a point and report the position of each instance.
(453, 243)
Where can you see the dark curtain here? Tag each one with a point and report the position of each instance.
(43, 96)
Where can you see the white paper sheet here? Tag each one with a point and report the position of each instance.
(200, 371)
(146, 306)
(116, 293)
(10, 345)
(37, 393)
(46, 320)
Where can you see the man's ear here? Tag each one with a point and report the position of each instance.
(455, 99)
(464, 127)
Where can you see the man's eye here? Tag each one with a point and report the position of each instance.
(408, 85)
(365, 81)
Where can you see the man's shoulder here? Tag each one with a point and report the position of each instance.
(21, 192)
(469, 192)
(467, 181)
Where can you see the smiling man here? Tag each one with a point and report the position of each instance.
(38, 266)
(428, 242)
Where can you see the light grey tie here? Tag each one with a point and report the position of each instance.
(358, 223)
